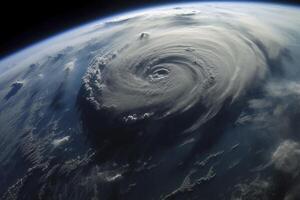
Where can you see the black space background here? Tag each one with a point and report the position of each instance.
(24, 22)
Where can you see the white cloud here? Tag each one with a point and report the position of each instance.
(286, 157)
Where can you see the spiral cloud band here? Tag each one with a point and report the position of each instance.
(164, 73)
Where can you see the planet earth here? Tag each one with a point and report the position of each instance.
(183, 101)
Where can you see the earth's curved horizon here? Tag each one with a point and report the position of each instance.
(135, 11)
(180, 101)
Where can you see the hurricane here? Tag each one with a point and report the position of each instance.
(184, 72)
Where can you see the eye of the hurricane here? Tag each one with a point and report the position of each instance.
(158, 73)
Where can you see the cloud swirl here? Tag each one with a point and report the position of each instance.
(168, 74)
